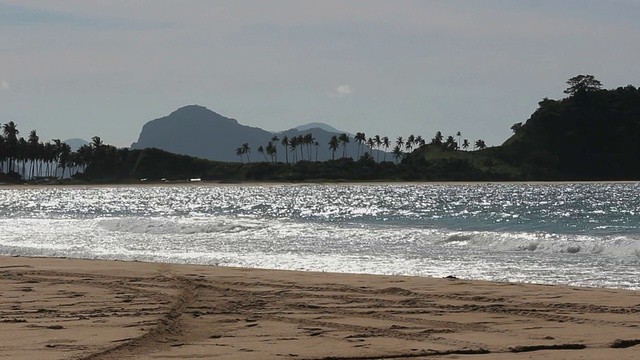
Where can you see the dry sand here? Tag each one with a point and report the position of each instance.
(88, 309)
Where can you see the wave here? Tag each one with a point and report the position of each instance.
(161, 226)
(615, 245)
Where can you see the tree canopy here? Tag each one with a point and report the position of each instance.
(582, 83)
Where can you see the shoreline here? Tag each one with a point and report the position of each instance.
(4, 186)
(58, 308)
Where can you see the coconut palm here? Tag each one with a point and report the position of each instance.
(22, 155)
(260, 150)
(400, 141)
(275, 140)
(64, 157)
(49, 156)
(480, 144)
(32, 151)
(309, 140)
(10, 132)
(246, 150)
(285, 144)
(57, 150)
(360, 138)
(334, 144)
(293, 145)
(409, 144)
(344, 139)
(437, 139)
(271, 151)
(397, 153)
(300, 141)
(378, 140)
(371, 143)
(419, 141)
(85, 156)
(240, 152)
(3, 156)
(386, 144)
(465, 144)
(450, 144)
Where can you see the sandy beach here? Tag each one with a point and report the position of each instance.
(90, 309)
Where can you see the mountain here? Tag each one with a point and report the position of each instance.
(197, 131)
(75, 143)
(318, 125)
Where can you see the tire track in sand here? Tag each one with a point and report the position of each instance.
(168, 332)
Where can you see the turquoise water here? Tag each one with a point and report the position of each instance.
(577, 234)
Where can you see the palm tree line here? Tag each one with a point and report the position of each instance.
(304, 144)
(31, 158)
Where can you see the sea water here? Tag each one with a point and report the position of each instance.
(575, 234)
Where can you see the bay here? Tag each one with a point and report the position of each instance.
(574, 234)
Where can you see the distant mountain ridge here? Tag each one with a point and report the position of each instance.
(197, 131)
(75, 143)
(317, 125)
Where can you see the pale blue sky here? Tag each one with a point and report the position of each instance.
(78, 68)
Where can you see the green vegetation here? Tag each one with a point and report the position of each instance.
(590, 135)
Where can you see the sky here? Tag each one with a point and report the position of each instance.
(77, 68)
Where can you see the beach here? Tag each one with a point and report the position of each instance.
(54, 308)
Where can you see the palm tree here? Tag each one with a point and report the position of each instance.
(11, 143)
(378, 142)
(96, 142)
(480, 144)
(309, 140)
(246, 150)
(74, 163)
(344, 139)
(58, 149)
(261, 151)
(465, 144)
(285, 144)
(3, 155)
(333, 146)
(386, 144)
(49, 154)
(397, 153)
(64, 157)
(275, 140)
(409, 144)
(400, 141)
(437, 139)
(360, 138)
(85, 156)
(450, 144)
(32, 150)
(293, 145)
(371, 143)
(272, 151)
(240, 152)
(22, 154)
(419, 141)
(302, 140)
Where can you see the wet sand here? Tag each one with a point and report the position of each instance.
(90, 309)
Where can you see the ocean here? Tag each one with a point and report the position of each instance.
(572, 234)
